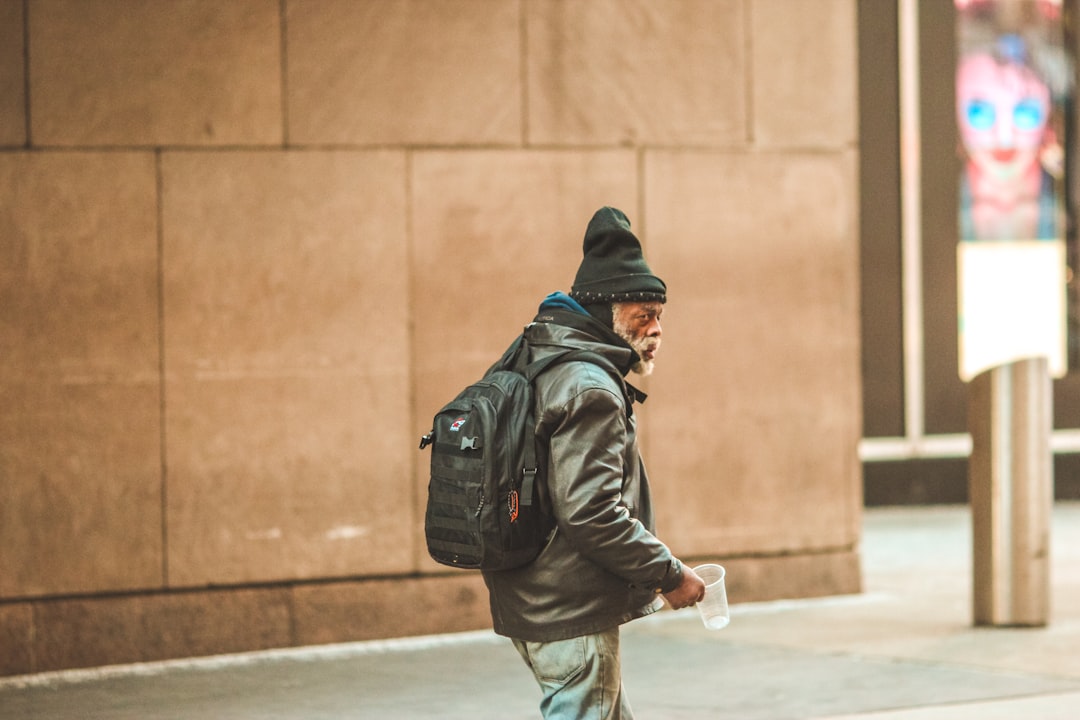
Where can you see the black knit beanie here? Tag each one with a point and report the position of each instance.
(613, 268)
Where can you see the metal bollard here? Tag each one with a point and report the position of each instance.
(1010, 478)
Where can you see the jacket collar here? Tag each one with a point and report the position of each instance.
(565, 323)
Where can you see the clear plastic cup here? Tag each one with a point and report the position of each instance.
(714, 606)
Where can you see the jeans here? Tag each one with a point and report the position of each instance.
(581, 678)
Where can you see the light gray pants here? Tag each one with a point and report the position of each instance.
(581, 678)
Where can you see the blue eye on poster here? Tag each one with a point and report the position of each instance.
(1013, 84)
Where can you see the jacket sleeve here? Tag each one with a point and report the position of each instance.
(589, 454)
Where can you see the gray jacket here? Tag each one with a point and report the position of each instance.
(602, 565)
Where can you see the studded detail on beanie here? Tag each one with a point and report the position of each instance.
(613, 268)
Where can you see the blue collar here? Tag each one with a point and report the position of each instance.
(562, 301)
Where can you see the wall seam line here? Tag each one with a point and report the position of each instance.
(523, 36)
(748, 86)
(26, 72)
(410, 324)
(159, 183)
(284, 48)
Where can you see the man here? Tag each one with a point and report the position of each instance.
(602, 565)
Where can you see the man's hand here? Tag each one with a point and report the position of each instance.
(690, 591)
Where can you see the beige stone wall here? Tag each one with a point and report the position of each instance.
(247, 249)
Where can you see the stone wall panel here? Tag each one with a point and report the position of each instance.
(109, 630)
(637, 72)
(80, 432)
(373, 609)
(143, 72)
(286, 358)
(412, 72)
(16, 639)
(805, 84)
(757, 396)
(12, 74)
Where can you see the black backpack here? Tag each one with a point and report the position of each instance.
(483, 508)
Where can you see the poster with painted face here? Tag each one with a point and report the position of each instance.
(1013, 80)
(1011, 88)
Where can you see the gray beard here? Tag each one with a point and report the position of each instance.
(641, 367)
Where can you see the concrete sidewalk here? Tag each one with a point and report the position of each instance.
(903, 650)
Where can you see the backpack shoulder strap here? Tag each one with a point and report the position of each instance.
(530, 371)
(513, 357)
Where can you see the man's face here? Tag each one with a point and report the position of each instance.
(639, 325)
